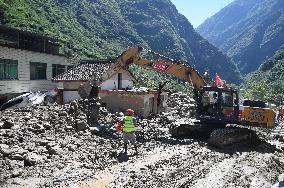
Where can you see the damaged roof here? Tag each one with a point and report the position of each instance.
(85, 71)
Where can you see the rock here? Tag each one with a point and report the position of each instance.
(82, 125)
(36, 128)
(62, 113)
(68, 128)
(17, 173)
(56, 150)
(71, 147)
(7, 124)
(43, 142)
(42, 150)
(15, 164)
(47, 125)
(28, 117)
(5, 150)
(1, 124)
(96, 129)
(104, 111)
(31, 159)
(16, 157)
(170, 119)
(82, 117)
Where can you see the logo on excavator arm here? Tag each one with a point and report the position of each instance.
(159, 66)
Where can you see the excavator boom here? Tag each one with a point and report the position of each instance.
(179, 70)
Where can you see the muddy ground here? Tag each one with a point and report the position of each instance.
(55, 146)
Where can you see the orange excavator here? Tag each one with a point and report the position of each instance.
(216, 106)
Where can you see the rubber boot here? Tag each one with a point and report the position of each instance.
(136, 150)
(125, 148)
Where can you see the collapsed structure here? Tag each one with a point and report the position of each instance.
(115, 88)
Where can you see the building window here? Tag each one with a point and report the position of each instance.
(57, 69)
(8, 69)
(37, 71)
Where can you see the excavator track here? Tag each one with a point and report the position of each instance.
(217, 137)
(224, 137)
(195, 131)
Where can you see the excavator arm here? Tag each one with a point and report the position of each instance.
(180, 70)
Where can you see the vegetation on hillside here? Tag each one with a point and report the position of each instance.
(248, 31)
(103, 29)
(267, 83)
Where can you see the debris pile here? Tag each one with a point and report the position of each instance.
(73, 144)
(52, 138)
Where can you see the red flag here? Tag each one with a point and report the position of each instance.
(218, 80)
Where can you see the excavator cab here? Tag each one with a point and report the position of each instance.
(217, 106)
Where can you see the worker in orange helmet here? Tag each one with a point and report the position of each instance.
(129, 122)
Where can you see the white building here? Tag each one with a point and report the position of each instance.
(116, 88)
(27, 62)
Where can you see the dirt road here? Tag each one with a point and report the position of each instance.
(191, 163)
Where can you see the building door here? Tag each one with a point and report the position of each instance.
(119, 80)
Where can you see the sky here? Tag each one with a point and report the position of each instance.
(197, 11)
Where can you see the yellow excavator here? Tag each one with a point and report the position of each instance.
(216, 107)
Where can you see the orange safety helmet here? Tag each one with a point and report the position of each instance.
(130, 112)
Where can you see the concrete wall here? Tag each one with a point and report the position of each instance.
(143, 104)
(112, 83)
(69, 96)
(24, 84)
(116, 102)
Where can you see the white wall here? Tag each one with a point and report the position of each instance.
(24, 57)
(112, 83)
(69, 96)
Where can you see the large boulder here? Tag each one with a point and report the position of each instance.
(31, 159)
(5, 150)
(8, 124)
(82, 125)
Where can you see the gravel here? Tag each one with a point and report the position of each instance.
(67, 145)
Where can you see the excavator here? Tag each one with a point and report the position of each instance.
(216, 107)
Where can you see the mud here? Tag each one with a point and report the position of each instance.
(58, 146)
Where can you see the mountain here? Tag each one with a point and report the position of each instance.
(267, 82)
(248, 31)
(105, 28)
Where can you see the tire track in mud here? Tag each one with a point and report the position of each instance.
(166, 166)
(119, 175)
(192, 165)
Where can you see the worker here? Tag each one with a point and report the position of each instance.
(128, 130)
(215, 99)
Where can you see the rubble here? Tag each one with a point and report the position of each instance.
(67, 145)
(7, 125)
